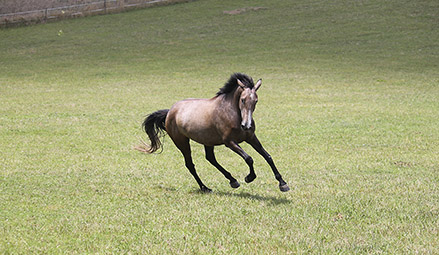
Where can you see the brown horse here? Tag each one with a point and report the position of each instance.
(224, 119)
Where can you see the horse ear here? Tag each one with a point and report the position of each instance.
(240, 84)
(258, 84)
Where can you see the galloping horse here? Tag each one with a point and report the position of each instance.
(224, 119)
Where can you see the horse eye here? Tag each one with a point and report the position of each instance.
(243, 101)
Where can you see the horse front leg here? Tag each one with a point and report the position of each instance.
(236, 148)
(210, 156)
(254, 142)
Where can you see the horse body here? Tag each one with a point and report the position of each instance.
(192, 119)
(207, 121)
(224, 119)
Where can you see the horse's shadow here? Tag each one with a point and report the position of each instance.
(270, 199)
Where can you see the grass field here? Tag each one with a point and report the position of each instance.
(349, 110)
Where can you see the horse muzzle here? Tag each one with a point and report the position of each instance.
(246, 122)
(245, 127)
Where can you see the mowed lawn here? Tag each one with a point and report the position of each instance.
(348, 108)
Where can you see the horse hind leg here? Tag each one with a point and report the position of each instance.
(210, 156)
(185, 148)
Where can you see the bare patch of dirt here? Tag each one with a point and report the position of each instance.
(403, 164)
(245, 9)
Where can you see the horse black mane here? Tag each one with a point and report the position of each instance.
(232, 83)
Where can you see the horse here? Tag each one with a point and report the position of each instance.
(226, 119)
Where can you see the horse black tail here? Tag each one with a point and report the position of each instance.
(154, 126)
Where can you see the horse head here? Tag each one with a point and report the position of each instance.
(247, 103)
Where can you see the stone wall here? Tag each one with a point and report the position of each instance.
(17, 12)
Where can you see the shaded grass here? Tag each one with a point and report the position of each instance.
(348, 110)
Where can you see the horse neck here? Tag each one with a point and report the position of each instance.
(233, 99)
(230, 102)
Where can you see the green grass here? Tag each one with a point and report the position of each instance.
(348, 109)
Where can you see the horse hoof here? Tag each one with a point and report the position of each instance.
(284, 188)
(235, 184)
(206, 190)
(250, 178)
